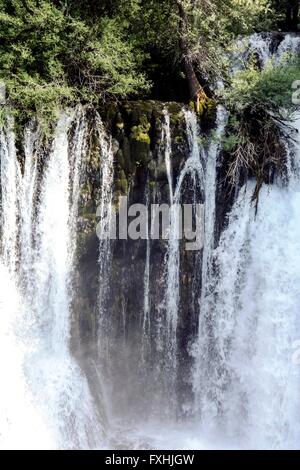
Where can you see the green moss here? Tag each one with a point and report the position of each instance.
(120, 158)
(179, 139)
(122, 186)
(192, 105)
(121, 174)
(152, 185)
(119, 121)
(90, 216)
(140, 133)
(117, 194)
(140, 151)
(176, 118)
(86, 189)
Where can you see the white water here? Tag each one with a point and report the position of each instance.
(192, 167)
(51, 391)
(253, 394)
(21, 426)
(10, 178)
(104, 228)
(146, 318)
(246, 384)
(210, 197)
(201, 166)
(32, 137)
(288, 47)
(167, 150)
(201, 372)
(260, 46)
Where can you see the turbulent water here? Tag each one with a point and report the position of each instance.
(242, 387)
(53, 407)
(245, 379)
(247, 387)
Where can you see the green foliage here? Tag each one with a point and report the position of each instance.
(247, 16)
(49, 57)
(257, 101)
(229, 142)
(56, 52)
(269, 89)
(215, 24)
(211, 27)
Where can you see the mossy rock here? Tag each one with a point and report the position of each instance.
(120, 160)
(140, 132)
(119, 121)
(129, 165)
(121, 186)
(120, 174)
(174, 107)
(152, 168)
(152, 185)
(140, 150)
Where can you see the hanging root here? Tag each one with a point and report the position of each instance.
(259, 152)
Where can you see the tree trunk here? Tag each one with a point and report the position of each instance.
(292, 13)
(196, 91)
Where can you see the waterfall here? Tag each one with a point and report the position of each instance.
(104, 212)
(261, 46)
(193, 168)
(32, 136)
(165, 156)
(21, 426)
(167, 150)
(40, 318)
(146, 319)
(10, 179)
(52, 259)
(201, 372)
(245, 381)
(210, 196)
(289, 46)
(254, 319)
(216, 347)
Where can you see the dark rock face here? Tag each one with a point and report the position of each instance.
(139, 173)
(136, 131)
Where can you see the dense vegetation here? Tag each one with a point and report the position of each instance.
(55, 53)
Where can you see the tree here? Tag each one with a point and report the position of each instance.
(190, 36)
(288, 14)
(54, 52)
(196, 91)
(292, 13)
(49, 56)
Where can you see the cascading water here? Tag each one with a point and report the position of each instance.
(261, 46)
(10, 178)
(289, 46)
(146, 319)
(167, 150)
(244, 386)
(254, 317)
(245, 381)
(194, 169)
(21, 425)
(210, 197)
(55, 387)
(202, 373)
(104, 212)
(32, 137)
